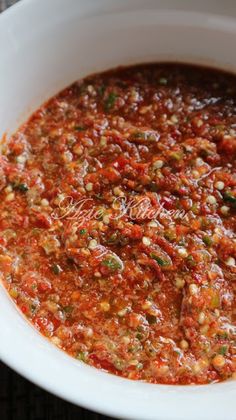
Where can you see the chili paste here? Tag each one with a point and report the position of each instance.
(117, 222)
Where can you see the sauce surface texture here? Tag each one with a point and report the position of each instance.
(117, 222)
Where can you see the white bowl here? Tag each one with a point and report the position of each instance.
(44, 46)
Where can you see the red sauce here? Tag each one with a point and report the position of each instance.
(117, 222)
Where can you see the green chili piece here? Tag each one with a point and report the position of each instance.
(230, 198)
(110, 101)
(56, 269)
(159, 260)
(112, 263)
(207, 240)
(21, 187)
(223, 350)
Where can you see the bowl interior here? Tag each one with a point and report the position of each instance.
(60, 45)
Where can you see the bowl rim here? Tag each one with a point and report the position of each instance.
(95, 384)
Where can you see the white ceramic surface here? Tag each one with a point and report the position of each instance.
(44, 46)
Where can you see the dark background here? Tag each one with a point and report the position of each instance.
(21, 400)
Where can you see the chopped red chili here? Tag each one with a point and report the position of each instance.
(117, 222)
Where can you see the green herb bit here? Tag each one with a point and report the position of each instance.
(207, 240)
(154, 187)
(163, 81)
(21, 187)
(82, 355)
(99, 196)
(170, 235)
(187, 120)
(119, 364)
(139, 366)
(114, 238)
(110, 101)
(176, 155)
(230, 198)
(101, 89)
(222, 335)
(142, 135)
(139, 135)
(204, 153)
(68, 309)
(82, 231)
(33, 308)
(56, 269)
(182, 241)
(159, 260)
(223, 350)
(112, 263)
(190, 261)
(79, 128)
